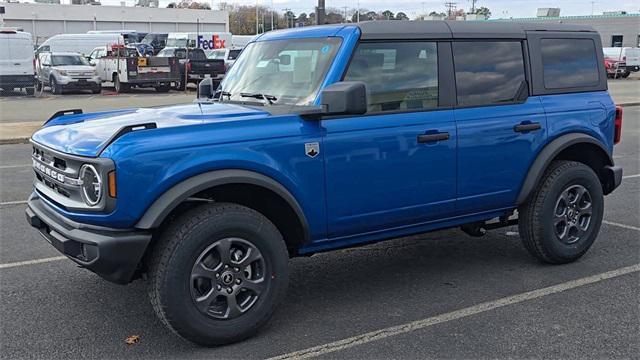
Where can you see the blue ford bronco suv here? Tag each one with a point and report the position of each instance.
(327, 137)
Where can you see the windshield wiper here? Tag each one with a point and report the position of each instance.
(223, 94)
(269, 99)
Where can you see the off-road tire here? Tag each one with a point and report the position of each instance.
(537, 214)
(178, 248)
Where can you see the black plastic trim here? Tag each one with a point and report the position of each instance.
(162, 207)
(546, 156)
(114, 254)
(64, 112)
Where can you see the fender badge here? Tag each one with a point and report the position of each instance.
(312, 149)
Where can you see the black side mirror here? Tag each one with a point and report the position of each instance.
(205, 89)
(344, 98)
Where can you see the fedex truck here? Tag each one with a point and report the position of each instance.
(202, 40)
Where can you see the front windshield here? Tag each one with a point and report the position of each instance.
(148, 39)
(175, 42)
(58, 60)
(289, 72)
(216, 54)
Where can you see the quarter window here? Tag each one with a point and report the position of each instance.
(399, 75)
(569, 63)
(488, 72)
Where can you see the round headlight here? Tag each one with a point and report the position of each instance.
(91, 184)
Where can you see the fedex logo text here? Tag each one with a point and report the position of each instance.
(209, 44)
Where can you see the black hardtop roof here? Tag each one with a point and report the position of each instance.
(434, 29)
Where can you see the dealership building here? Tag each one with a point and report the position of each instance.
(46, 20)
(616, 29)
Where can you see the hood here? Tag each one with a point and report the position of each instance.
(89, 134)
(83, 68)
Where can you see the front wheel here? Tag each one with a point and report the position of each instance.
(562, 218)
(55, 87)
(217, 273)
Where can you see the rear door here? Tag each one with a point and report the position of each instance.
(394, 166)
(500, 128)
(17, 57)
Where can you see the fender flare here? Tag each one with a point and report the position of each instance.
(167, 202)
(546, 156)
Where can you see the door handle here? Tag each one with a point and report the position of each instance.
(426, 138)
(524, 127)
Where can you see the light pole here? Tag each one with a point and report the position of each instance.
(256, 17)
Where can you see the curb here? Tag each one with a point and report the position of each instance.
(25, 140)
(20, 140)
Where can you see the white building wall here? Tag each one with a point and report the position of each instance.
(46, 20)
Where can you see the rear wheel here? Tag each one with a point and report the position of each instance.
(218, 273)
(96, 90)
(163, 88)
(562, 218)
(30, 90)
(119, 86)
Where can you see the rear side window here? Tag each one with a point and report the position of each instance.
(569, 63)
(488, 72)
(400, 76)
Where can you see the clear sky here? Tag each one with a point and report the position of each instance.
(413, 8)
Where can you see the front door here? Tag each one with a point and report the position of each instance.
(394, 166)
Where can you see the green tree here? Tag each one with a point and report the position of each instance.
(387, 15)
(401, 16)
(483, 11)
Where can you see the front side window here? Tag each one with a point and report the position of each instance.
(286, 72)
(569, 63)
(488, 72)
(399, 75)
(233, 54)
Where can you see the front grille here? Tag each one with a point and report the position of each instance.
(57, 177)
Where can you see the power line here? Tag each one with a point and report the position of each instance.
(451, 6)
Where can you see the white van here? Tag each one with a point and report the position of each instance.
(79, 43)
(204, 40)
(627, 55)
(16, 61)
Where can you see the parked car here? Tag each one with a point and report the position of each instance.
(196, 65)
(228, 55)
(330, 137)
(627, 55)
(152, 44)
(616, 69)
(17, 69)
(67, 71)
(122, 67)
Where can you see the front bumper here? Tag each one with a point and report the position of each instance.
(80, 84)
(113, 254)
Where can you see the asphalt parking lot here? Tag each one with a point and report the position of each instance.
(436, 295)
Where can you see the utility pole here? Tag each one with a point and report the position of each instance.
(256, 17)
(286, 15)
(358, 13)
(473, 6)
(450, 8)
(593, 2)
(344, 19)
(271, 15)
(320, 13)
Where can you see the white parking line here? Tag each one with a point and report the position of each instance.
(624, 226)
(13, 202)
(454, 315)
(631, 176)
(14, 166)
(31, 262)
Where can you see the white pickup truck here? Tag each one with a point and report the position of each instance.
(121, 67)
